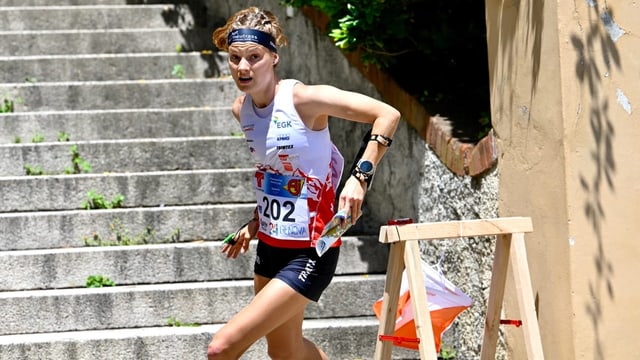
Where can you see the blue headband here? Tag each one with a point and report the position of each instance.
(254, 36)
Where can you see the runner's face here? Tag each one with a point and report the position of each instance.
(249, 63)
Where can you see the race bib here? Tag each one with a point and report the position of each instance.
(282, 205)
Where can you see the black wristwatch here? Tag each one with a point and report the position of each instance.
(364, 171)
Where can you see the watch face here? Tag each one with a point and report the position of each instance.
(366, 166)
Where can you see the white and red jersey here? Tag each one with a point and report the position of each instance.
(298, 170)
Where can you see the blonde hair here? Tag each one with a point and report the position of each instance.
(250, 18)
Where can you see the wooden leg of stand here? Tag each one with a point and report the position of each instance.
(522, 279)
(496, 296)
(421, 315)
(395, 266)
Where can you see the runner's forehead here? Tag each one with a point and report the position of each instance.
(246, 47)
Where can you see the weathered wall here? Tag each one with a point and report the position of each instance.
(563, 83)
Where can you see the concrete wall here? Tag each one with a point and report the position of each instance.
(564, 81)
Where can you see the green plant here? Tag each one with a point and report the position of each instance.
(435, 50)
(98, 201)
(98, 281)
(179, 48)
(63, 136)
(30, 79)
(33, 170)
(37, 138)
(446, 353)
(119, 235)
(17, 140)
(78, 164)
(7, 106)
(178, 71)
(175, 322)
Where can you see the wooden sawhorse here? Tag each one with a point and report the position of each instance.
(405, 252)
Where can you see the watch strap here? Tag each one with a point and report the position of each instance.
(381, 139)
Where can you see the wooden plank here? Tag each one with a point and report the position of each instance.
(421, 315)
(454, 229)
(496, 296)
(524, 291)
(395, 266)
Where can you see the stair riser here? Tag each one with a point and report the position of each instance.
(339, 340)
(21, 3)
(142, 189)
(128, 156)
(202, 303)
(47, 230)
(154, 264)
(98, 42)
(130, 124)
(112, 67)
(120, 95)
(93, 17)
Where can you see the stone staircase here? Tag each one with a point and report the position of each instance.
(97, 99)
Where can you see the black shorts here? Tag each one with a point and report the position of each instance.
(301, 269)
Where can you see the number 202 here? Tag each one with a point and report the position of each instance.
(273, 209)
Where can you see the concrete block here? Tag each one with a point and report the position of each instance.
(113, 124)
(149, 189)
(151, 94)
(158, 263)
(136, 155)
(105, 67)
(62, 229)
(41, 311)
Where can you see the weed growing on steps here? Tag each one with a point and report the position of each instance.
(175, 322)
(37, 138)
(119, 235)
(98, 281)
(79, 165)
(8, 104)
(63, 136)
(98, 201)
(33, 170)
(178, 71)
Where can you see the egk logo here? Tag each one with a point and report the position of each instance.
(282, 124)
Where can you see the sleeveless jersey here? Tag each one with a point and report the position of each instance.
(298, 170)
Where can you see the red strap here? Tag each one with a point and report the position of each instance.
(398, 339)
(517, 323)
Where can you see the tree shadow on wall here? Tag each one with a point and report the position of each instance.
(196, 26)
(589, 72)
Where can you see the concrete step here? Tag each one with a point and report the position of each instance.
(143, 94)
(135, 155)
(340, 338)
(91, 17)
(158, 263)
(99, 41)
(46, 3)
(148, 189)
(67, 229)
(105, 67)
(130, 306)
(118, 124)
